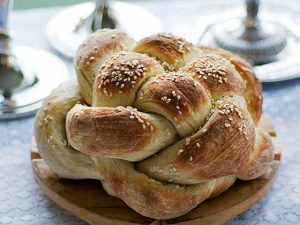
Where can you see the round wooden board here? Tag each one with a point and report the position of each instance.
(87, 200)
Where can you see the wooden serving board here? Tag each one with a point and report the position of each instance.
(87, 200)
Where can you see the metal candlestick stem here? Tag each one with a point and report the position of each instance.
(101, 17)
(256, 40)
(24, 73)
(69, 28)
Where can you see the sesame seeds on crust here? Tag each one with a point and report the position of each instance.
(135, 115)
(123, 72)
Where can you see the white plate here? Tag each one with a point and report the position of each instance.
(134, 20)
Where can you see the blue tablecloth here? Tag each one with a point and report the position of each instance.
(22, 202)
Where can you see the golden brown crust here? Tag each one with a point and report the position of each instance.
(168, 49)
(152, 198)
(120, 132)
(259, 161)
(179, 162)
(198, 158)
(50, 135)
(121, 77)
(93, 52)
(253, 92)
(177, 97)
(217, 75)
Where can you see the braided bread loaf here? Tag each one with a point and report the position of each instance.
(164, 124)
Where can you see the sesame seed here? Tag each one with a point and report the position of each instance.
(198, 145)
(179, 151)
(227, 125)
(191, 158)
(164, 98)
(187, 141)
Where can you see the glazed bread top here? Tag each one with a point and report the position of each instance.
(220, 70)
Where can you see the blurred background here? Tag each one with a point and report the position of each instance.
(29, 4)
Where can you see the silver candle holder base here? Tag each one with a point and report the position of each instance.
(69, 28)
(258, 41)
(27, 75)
(286, 64)
(42, 72)
(260, 51)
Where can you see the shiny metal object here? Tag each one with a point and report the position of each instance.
(49, 72)
(258, 41)
(101, 17)
(27, 75)
(69, 28)
(286, 66)
(12, 76)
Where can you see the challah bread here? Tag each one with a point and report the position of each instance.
(50, 134)
(117, 132)
(178, 98)
(197, 158)
(121, 78)
(172, 52)
(164, 124)
(253, 90)
(93, 52)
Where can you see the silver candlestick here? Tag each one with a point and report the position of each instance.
(101, 17)
(12, 76)
(258, 41)
(69, 28)
(25, 76)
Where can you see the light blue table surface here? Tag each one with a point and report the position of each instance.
(22, 202)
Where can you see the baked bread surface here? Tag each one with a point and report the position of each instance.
(162, 123)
